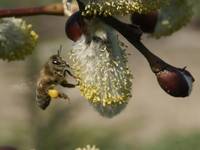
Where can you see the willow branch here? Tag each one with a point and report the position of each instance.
(131, 32)
(51, 9)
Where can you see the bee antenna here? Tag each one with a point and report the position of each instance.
(59, 50)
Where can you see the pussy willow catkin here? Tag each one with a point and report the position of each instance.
(17, 39)
(100, 63)
(172, 17)
(121, 7)
(88, 147)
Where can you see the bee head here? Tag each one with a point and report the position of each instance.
(56, 61)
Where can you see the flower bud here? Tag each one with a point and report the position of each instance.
(175, 81)
(74, 27)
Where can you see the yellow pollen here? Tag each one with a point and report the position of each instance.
(53, 93)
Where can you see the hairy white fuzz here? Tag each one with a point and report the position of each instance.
(100, 64)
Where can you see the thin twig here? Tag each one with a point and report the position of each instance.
(51, 9)
(132, 33)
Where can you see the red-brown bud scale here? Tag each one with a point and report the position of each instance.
(175, 81)
(75, 27)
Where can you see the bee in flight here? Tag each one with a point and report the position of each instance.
(53, 73)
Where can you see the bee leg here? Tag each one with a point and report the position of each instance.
(69, 74)
(64, 96)
(64, 83)
(52, 86)
(68, 65)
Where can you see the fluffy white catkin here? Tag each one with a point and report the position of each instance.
(100, 64)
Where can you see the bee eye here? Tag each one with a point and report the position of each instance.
(55, 62)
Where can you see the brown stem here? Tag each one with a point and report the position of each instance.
(132, 34)
(51, 9)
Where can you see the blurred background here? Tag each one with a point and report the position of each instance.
(152, 121)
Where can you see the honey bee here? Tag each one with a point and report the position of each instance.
(53, 73)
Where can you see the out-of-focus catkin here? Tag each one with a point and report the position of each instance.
(17, 39)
